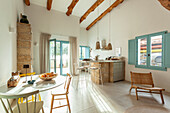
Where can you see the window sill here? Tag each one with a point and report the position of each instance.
(152, 68)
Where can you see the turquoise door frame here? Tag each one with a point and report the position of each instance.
(61, 52)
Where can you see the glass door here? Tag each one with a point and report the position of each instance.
(65, 58)
(52, 56)
(59, 57)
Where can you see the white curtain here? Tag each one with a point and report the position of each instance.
(44, 52)
(73, 54)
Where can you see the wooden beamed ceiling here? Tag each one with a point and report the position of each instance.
(91, 9)
(71, 7)
(49, 4)
(115, 4)
(27, 2)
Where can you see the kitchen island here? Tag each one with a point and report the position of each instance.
(111, 71)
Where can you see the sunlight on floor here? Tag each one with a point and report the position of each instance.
(102, 103)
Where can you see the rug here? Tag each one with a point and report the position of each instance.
(147, 109)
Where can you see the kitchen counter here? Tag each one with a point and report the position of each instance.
(111, 71)
(107, 61)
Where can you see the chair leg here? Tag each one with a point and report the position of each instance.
(130, 90)
(68, 103)
(42, 110)
(86, 77)
(136, 93)
(101, 77)
(162, 97)
(95, 76)
(77, 85)
(52, 102)
(85, 74)
(92, 77)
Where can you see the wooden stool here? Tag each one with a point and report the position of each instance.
(97, 67)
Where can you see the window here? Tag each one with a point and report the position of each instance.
(84, 52)
(150, 51)
(142, 51)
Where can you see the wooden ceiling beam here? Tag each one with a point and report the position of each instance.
(27, 2)
(49, 4)
(71, 7)
(165, 3)
(91, 9)
(115, 4)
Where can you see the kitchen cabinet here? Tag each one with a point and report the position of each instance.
(111, 71)
(117, 71)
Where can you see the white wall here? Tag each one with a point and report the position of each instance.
(130, 19)
(83, 41)
(9, 11)
(52, 22)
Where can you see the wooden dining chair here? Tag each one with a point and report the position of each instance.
(64, 93)
(144, 79)
(28, 107)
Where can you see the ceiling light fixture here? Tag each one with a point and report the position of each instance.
(109, 47)
(98, 43)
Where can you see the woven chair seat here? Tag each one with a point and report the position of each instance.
(151, 88)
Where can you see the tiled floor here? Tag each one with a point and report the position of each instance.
(86, 97)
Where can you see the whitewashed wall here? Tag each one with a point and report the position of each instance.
(9, 11)
(83, 41)
(130, 19)
(52, 22)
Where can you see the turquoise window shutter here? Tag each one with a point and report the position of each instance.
(167, 50)
(132, 52)
(87, 52)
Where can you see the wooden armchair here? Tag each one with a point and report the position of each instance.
(144, 79)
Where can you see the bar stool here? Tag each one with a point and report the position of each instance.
(86, 68)
(94, 68)
(78, 68)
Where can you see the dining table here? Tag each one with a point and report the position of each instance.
(39, 84)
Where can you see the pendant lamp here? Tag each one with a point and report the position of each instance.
(109, 47)
(98, 43)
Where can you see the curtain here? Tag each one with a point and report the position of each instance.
(73, 54)
(44, 52)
